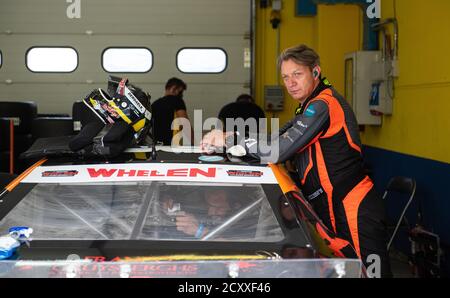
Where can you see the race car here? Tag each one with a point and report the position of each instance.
(184, 214)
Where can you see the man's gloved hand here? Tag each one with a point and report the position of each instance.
(189, 224)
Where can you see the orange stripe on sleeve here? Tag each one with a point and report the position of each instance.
(309, 167)
(337, 117)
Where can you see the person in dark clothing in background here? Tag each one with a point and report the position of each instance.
(168, 108)
(244, 107)
(245, 98)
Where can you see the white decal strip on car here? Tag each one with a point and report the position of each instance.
(152, 172)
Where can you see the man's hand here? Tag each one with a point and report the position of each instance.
(214, 141)
(167, 203)
(188, 224)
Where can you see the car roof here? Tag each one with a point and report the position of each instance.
(57, 151)
(234, 171)
(173, 163)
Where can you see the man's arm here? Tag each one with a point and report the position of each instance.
(286, 126)
(304, 130)
(181, 114)
(190, 225)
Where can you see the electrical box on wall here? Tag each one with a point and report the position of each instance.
(273, 98)
(367, 86)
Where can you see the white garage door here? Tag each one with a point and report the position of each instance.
(162, 26)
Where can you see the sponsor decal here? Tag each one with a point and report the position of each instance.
(69, 173)
(134, 100)
(301, 124)
(246, 265)
(132, 172)
(315, 194)
(244, 173)
(310, 111)
(140, 267)
(132, 270)
(186, 172)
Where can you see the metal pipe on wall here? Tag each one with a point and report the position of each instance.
(378, 26)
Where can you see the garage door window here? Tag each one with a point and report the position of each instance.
(201, 60)
(127, 60)
(52, 59)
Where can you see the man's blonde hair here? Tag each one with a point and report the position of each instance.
(300, 54)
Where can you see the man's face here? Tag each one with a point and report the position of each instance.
(298, 79)
(177, 91)
(218, 205)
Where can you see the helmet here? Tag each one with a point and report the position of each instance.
(124, 111)
(131, 104)
(122, 102)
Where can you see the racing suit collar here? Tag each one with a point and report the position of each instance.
(323, 84)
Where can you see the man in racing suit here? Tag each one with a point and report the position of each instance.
(323, 142)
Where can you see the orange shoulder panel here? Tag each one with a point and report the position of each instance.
(337, 118)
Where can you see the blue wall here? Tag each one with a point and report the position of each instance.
(433, 188)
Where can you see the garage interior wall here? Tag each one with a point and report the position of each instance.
(414, 141)
(321, 33)
(163, 26)
(420, 123)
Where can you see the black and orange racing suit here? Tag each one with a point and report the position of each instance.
(323, 142)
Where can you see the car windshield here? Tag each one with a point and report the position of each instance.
(147, 211)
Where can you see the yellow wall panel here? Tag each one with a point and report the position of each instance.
(293, 31)
(339, 29)
(420, 124)
(335, 31)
